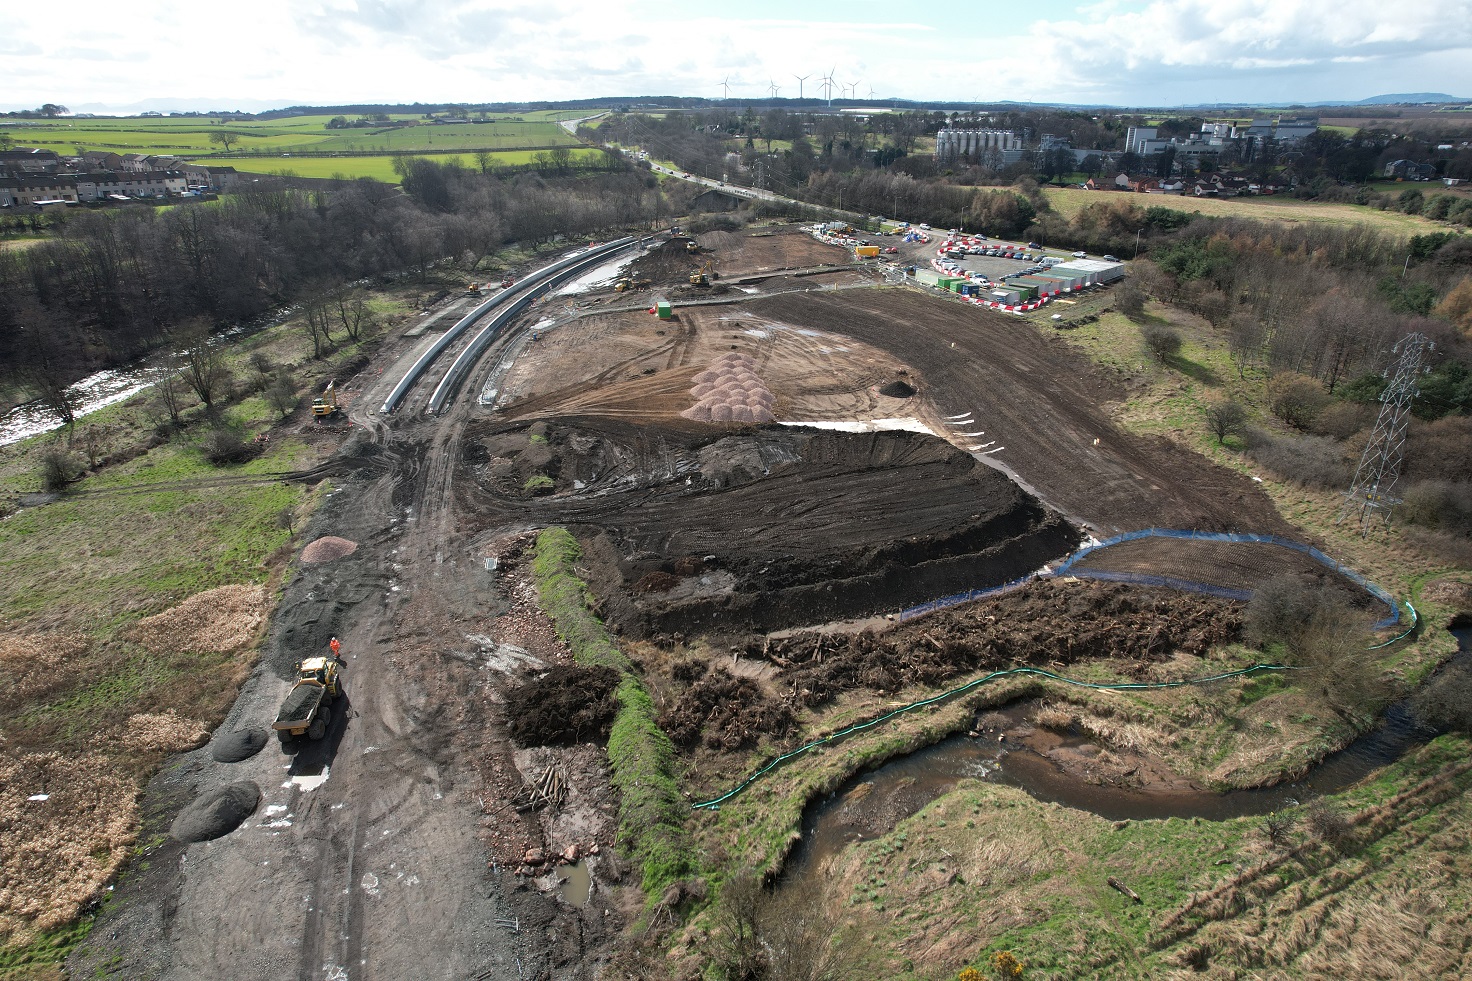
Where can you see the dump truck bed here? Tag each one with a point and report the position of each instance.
(299, 706)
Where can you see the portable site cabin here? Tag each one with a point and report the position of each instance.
(1006, 295)
(1067, 280)
(1098, 270)
(1040, 287)
(927, 277)
(866, 251)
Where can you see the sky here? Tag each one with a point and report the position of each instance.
(166, 54)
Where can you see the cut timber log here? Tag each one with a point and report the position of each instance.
(1116, 884)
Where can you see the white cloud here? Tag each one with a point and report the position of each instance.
(1123, 51)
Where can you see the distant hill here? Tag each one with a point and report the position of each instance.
(1407, 98)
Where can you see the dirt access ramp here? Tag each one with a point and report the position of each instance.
(1042, 406)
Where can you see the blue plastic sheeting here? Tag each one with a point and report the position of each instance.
(715, 802)
(1067, 568)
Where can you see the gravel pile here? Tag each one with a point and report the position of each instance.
(328, 548)
(242, 744)
(217, 813)
(730, 390)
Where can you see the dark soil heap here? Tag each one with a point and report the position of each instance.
(217, 813)
(1046, 623)
(727, 711)
(242, 744)
(569, 704)
(897, 390)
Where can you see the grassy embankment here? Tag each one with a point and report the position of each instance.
(1068, 201)
(93, 693)
(987, 868)
(651, 813)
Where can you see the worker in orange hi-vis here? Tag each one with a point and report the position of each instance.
(335, 647)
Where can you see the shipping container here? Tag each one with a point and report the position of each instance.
(867, 251)
(664, 309)
(928, 277)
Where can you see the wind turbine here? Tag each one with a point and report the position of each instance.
(800, 80)
(828, 83)
(853, 90)
(773, 87)
(726, 86)
(871, 92)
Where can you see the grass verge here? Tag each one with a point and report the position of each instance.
(651, 813)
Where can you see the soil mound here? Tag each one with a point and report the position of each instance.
(568, 704)
(1043, 623)
(217, 813)
(239, 745)
(897, 390)
(226, 620)
(657, 582)
(328, 548)
(162, 732)
(31, 664)
(726, 712)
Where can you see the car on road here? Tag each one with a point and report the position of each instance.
(1080, 255)
(1110, 258)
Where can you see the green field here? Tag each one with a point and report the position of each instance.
(190, 137)
(378, 167)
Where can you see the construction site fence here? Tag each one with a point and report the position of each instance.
(1069, 568)
(715, 802)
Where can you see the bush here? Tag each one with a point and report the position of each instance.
(1445, 702)
(226, 443)
(1129, 299)
(58, 469)
(1439, 504)
(1297, 399)
(1309, 461)
(1162, 341)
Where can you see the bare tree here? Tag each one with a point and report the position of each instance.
(355, 316)
(205, 371)
(168, 392)
(318, 326)
(1225, 419)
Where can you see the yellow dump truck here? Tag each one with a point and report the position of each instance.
(307, 708)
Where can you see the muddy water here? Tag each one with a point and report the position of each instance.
(574, 883)
(871, 804)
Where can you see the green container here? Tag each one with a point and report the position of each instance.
(664, 309)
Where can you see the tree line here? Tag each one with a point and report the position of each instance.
(111, 285)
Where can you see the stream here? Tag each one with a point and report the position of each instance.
(870, 804)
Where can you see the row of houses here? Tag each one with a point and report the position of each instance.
(1210, 185)
(47, 189)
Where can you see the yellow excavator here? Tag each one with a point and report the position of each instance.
(703, 275)
(325, 405)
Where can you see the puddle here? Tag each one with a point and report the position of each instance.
(574, 883)
(309, 781)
